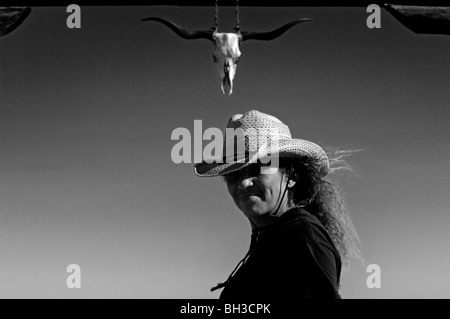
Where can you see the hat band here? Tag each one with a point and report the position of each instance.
(248, 150)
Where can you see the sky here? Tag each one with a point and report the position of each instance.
(87, 178)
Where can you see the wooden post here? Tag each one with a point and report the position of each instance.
(11, 18)
(422, 20)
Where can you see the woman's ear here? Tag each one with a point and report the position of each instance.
(292, 179)
(292, 182)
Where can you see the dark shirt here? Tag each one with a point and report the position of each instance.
(294, 258)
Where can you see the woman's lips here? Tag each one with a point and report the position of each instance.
(247, 196)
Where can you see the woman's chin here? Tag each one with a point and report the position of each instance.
(253, 211)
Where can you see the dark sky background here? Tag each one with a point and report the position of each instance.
(86, 175)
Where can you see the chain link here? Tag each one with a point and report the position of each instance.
(216, 16)
(237, 17)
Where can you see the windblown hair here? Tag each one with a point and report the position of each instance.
(322, 198)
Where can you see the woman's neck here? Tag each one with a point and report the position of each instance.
(265, 221)
(262, 222)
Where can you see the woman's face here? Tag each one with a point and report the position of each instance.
(257, 195)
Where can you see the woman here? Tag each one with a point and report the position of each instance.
(301, 232)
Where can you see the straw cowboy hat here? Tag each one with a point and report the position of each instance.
(265, 137)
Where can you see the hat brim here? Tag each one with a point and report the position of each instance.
(291, 148)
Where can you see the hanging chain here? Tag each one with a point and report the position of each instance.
(216, 17)
(237, 17)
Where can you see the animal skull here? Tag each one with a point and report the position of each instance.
(226, 45)
(226, 55)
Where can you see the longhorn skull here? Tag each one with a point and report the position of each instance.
(226, 45)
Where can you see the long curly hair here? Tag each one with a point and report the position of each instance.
(321, 198)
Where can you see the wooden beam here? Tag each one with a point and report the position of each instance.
(422, 20)
(226, 3)
(432, 17)
(11, 18)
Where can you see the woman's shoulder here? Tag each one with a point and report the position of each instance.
(299, 223)
(298, 217)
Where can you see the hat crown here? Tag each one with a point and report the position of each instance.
(262, 125)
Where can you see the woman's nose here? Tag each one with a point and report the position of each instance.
(246, 182)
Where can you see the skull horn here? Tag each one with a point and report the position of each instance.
(270, 35)
(185, 34)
